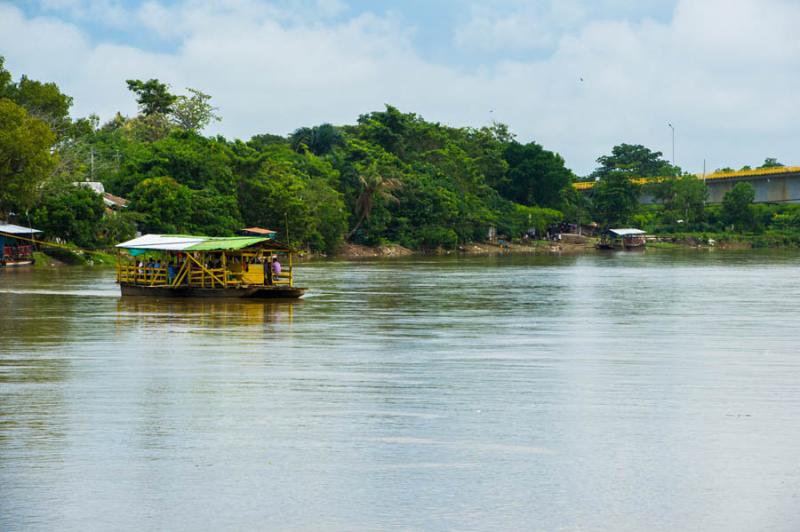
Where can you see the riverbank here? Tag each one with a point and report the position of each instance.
(569, 244)
(62, 256)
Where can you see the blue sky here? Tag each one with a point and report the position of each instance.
(576, 76)
(434, 23)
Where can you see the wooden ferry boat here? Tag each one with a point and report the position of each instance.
(627, 239)
(16, 247)
(201, 266)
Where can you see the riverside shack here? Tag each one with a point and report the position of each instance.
(627, 238)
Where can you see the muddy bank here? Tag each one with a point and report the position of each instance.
(355, 251)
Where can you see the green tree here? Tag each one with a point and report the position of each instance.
(375, 186)
(535, 176)
(5, 79)
(737, 206)
(636, 160)
(165, 205)
(188, 158)
(771, 162)
(72, 213)
(297, 190)
(25, 156)
(683, 197)
(212, 213)
(615, 198)
(152, 96)
(195, 112)
(44, 101)
(319, 139)
(117, 227)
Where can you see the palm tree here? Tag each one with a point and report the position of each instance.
(373, 186)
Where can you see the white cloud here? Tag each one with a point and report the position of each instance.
(529, 26)
(723, 72)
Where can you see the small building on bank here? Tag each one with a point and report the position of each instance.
(628, 238)
(258, 231)
(112, 202)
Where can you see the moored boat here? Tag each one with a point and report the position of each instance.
(625, 239)
(209, 267)
(16, 245)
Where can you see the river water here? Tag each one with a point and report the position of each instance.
(655, 391)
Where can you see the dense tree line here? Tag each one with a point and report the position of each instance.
(390, 177)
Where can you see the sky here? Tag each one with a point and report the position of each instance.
(576, 76)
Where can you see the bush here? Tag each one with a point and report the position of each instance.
(433, 237)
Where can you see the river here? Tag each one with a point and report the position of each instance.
(627, 391)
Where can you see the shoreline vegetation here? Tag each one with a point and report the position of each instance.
(678, 242)
(388, 185)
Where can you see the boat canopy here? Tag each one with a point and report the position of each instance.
(192, 243)
(11, 229)
(627, 232)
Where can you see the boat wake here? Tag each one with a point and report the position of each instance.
(78, 293)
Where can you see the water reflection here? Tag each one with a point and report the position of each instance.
(653, 391)
(202, 315)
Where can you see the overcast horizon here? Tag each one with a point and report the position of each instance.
(576, 77)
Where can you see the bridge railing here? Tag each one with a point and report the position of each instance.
(586, 185)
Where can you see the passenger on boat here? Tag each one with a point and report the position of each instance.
(171, 271)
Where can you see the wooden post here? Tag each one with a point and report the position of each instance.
(224, 269)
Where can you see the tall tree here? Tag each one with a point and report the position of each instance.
(683, 197)
(165, 204)
(615, 198)
(535, 176)
(771, 162)
(374, 186)
(25, 156)
(195, 112)
(72, 213)
(737, 206)
(635, 159)
(319, 139)
(152, 96)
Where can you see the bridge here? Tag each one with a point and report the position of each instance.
(780, 184)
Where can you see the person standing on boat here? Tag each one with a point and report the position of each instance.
(276, 269)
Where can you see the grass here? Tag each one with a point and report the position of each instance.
(75, 257)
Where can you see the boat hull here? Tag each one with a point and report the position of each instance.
(17, 263)
(252, 292)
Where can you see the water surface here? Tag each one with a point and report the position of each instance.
(656, 391)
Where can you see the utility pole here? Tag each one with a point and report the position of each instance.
(673, 143)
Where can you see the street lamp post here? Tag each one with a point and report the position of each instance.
(673, 144)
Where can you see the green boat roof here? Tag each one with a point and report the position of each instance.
(196, 243)
(223, 243)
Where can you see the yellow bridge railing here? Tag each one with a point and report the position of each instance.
(586, 185)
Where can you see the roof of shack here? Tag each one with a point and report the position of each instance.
(627, 232)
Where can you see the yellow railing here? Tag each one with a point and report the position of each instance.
(756, 172)
(586, 185)
(193, 274)
(142, 275)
